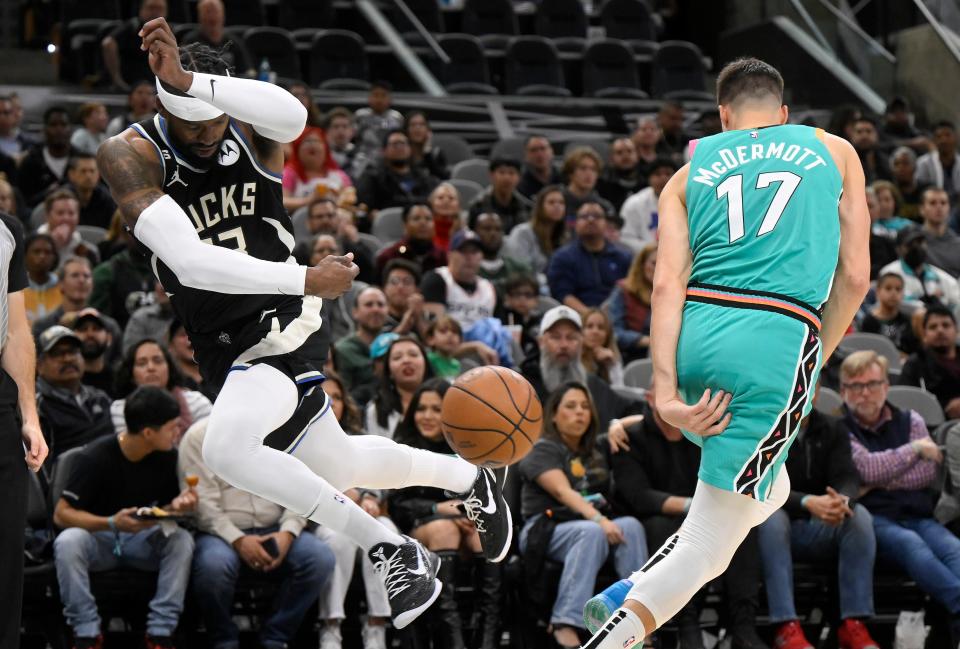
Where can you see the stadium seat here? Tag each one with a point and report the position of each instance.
(338, 61)
(909, 397)
(476, 170)
(246, 12)
(627, 392)
(482, 17)
(299, 219)
(467, 190)
(467, 71)
(388, 226)
(564, 22)
(533, 68)
(454, 147)
(178, 11)
(92, 234)
(295, 14)
(182, 30)
(638, 373)
(72, 10)
(860, 341)
(511, 147)
(278, 47)
(370, 242)
(829, 402)
(61, 469)
(678, 72)
(628, 20)
(609, 70)
(427, 12)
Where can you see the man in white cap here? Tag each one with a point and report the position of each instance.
(199, 185)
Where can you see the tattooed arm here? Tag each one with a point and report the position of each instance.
(130, 166)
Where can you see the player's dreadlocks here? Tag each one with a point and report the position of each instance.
(197, 57)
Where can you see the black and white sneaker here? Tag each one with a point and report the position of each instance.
(486, 507)
(409, 572)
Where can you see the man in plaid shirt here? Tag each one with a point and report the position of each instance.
(897, 461)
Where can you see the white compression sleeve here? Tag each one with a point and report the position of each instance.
(272, 111)
(166, 229)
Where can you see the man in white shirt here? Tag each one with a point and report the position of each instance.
(640, 211)
(922, 282)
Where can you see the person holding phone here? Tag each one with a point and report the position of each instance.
(240, 533)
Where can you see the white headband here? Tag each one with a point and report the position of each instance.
(186, 107)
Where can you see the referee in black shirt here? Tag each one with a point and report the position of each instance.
(20, 436)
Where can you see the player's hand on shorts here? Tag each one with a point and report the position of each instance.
(612, 531)
(164, 54)
(707, 417)
(332, 277)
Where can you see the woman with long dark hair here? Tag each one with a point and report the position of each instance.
(406, 367)
(422, 151)
(536, 240)
(567, 485)
(600, 355)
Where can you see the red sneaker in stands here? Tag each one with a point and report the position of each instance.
(790, 636)
(854, 635)
(159, 642)
(80, 642)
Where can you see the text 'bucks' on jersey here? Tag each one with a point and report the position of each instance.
(762, 208)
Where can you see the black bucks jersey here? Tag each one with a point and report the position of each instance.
(238, 204)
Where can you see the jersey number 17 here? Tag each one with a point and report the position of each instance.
(732, 189)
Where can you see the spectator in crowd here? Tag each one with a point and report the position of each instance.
(301, 91)
(939, 167)
(545, 232)
(897, 462)
(581, 168)
(583, 273)
(42, 294)
(865, 141)
(393, 181)
(13, 141)
(149, 363)
(673, 139)
(842, 121)
(406, 368)
(324, 217)
(821, 519)
(8, 198)
(353, 353)
(341, 129)
(888, 203)
(417, 244)
(430, 516)
(212, 33)
(111, 478)
(883, 247)
(72, 413)
(444, 336)
(655, 479)
(123, 283)
(141, 105)
(645, 139)
(567, 472)
(898, 129)
(502, 197)
(496, 265)
(97, 344)
(599, 354)
(238, 529)
(150, 321)
(538, 168)
(556, 360)
(334, 592)
(641, 211)
(311, 172)
(886, 318)
(93, 126)
(903, 164)
(444, 202)
(935, 367)
(96, 204)
(622, 176)
(336, 312)
(943, 244)
(45, 164)
(122, 56)
(522, 310)
(377, 118)
(423, 153)
(630, 305)
(117, 239)
(405, 313)
(457, 288)
(76, 284)
(182, 351)
(62, 209)
(922, 282)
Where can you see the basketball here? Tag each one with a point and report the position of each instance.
(491, 416)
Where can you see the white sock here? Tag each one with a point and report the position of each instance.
(623, 630)
(335, 511)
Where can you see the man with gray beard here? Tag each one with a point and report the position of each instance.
(556, 360)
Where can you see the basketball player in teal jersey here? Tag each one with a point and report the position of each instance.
(762, 264)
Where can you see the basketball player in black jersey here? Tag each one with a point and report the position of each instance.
(199, 186)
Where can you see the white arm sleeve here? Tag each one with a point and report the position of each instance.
(166, 229)
(272, 111)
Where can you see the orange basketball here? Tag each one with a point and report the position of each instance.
(491, 416)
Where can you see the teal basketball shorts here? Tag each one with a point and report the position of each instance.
(764, 348)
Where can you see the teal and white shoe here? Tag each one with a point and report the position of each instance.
(600, 607)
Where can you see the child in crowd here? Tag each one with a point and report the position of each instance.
(886, 318)
(521, 299)
(444, 336)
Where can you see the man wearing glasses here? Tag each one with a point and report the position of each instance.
(897, 462)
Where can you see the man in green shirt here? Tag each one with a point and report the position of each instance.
(353, 352)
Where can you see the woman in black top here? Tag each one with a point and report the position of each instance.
(431, 517)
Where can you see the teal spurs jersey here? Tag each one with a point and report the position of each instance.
(762, 211)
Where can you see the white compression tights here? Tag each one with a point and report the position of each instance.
(700, 551)
(258, 400)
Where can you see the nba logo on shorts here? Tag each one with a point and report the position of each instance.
(229, 153)
(629, 642)
(339, 499)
